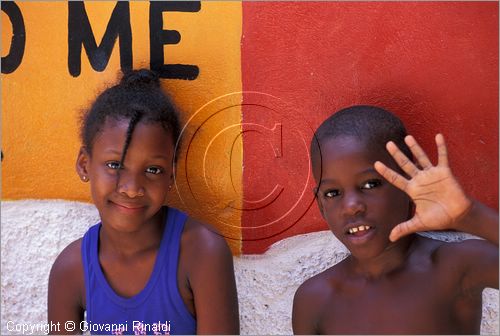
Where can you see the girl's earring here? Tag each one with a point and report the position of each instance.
(85, 178)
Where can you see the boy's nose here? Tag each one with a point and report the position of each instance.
(353, 204)
(129, 184)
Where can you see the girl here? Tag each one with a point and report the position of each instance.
(145, 268)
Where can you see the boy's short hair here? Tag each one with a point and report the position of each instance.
(370, 124)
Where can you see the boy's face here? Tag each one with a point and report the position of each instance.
(359, 205)
(130, 196)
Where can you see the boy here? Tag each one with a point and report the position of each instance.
(394, 281)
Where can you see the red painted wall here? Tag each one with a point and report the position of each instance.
(433, 64)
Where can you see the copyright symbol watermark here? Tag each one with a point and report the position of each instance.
(254, 168)
(69, 326)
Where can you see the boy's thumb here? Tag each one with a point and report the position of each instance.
(401, 230)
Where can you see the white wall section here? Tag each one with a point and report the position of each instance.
(33, 233)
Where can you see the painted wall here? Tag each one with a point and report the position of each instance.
(434, 64)
(266, 283)
(44, 96)
(253, 80)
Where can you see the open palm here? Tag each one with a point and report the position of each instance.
(438, 197)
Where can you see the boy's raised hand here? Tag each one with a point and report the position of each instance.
(438, 197)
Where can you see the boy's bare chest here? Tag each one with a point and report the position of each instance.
(413, 305)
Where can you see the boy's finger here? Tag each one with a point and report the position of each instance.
(442, 150)
(391, 176)
(406, 165)
(401, 230)
(418, 152)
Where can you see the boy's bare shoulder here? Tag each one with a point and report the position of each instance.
(473, 262)
(322, 286)
(438, 252)
(453, 250)
(313, 296)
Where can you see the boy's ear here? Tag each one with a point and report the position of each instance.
(82, 162)
(318, 201)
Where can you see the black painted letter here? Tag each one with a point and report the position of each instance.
(159, 37)
(80, 33)
(13, 59)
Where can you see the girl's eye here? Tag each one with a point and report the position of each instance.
(371, 184)
(114, 165)
(332, 193)
(154, 170)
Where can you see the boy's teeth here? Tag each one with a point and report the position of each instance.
(359, 228)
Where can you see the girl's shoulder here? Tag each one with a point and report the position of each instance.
(201, 239)
(204, 252)
(206, 276)
(70, 259)
(67, 275)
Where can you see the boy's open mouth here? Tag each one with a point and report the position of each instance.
(358, 229)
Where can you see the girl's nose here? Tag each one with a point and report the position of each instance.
(129, 184)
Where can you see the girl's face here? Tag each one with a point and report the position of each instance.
(128, 197)
(359, 205)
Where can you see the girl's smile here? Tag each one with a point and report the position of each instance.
(128, 208)
(131, 194)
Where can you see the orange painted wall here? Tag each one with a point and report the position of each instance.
(41, 101)
(270, 72)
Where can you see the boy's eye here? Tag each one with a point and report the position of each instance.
(154, 170)
(332, 193)
(371, 184)
(114, 165)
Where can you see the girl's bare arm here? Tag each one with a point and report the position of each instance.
(66, 291)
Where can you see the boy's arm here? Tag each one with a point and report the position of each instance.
(305, 304)
(441, 204)
(212, 281)
(481, 221)
(439, 199)
(66, 290)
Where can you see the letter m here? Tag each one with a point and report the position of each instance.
(80, 33)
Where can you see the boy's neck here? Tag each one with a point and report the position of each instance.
(393, 258)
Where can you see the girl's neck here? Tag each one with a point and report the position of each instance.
(128, 244)
(391, 259)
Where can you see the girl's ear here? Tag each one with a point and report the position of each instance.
(82, 162)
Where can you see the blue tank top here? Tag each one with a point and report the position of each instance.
(157, 310)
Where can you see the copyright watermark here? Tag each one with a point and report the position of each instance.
(137, 327)
(245, 155)
(42, 328)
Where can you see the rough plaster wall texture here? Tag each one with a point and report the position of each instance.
(34, 232)
(267, 282)
(32, 235)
